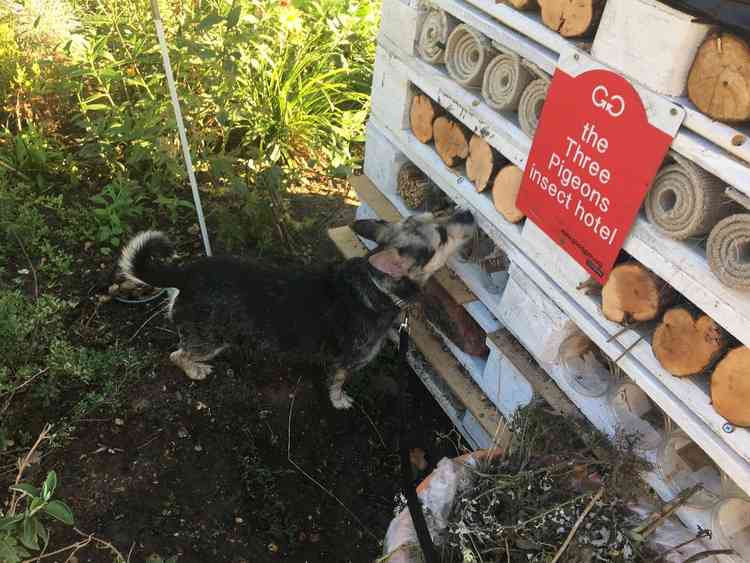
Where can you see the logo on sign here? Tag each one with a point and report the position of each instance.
(613, 105)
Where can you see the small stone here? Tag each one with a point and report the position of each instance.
(24, 271)
(199, 406)
(239, 520)
(183, 433)
(198, 448)
(273, 548)
(119, 422)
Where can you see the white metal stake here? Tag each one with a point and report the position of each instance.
(180, 124)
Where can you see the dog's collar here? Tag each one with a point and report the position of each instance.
(397, 301)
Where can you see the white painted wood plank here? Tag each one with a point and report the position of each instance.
(483, 316)
(721, 447)
(680, 263)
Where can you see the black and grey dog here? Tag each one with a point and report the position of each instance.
(340, 317)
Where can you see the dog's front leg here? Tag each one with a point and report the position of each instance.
(339, 398)
(193, 364)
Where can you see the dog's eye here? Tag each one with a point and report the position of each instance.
(443, 232)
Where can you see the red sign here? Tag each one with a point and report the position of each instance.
(593, 159)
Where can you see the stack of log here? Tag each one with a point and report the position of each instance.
(456, 145)
(686, 341)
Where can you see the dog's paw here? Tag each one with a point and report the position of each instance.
(198, 371)
(340, 400)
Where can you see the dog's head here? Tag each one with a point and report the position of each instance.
(418, 246)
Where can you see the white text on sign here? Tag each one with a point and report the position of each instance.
(577, 173)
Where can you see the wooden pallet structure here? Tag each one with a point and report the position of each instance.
(462, 60)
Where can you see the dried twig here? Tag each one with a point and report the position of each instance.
(699, 536)
(620, 332)
(577, 525)
(25, 383)
(710, 553)
(653, 521)
(629, 348)
(12, 392)
(375, 428)
(23, 464)
(159, 310)
(310, 477)
(150, 440)
(79, 545)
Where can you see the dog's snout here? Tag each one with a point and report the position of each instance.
(464, 217)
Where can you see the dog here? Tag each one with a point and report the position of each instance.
(339, 317)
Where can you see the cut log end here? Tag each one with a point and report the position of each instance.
(730, 386)
(633, 294)
(451, 141)
(483, 163)
(719, 80)
(686, 345)
(422, 115)
(524, 5)
(571, 19)
(505, 190)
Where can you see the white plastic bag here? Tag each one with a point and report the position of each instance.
(437, 493)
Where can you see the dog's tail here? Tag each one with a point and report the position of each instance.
(141, 260)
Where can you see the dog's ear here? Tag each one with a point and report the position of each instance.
(371, 229)
(391, 263)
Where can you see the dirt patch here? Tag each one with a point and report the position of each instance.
(200, 470)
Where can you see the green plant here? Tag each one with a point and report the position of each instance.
(26, 329)
(117, 204)
(24, 528)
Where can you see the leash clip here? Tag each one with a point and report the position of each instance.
(404, 326)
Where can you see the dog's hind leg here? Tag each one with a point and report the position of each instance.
(191, 361)
(339, 398)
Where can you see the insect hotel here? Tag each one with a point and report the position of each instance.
(603, 150)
